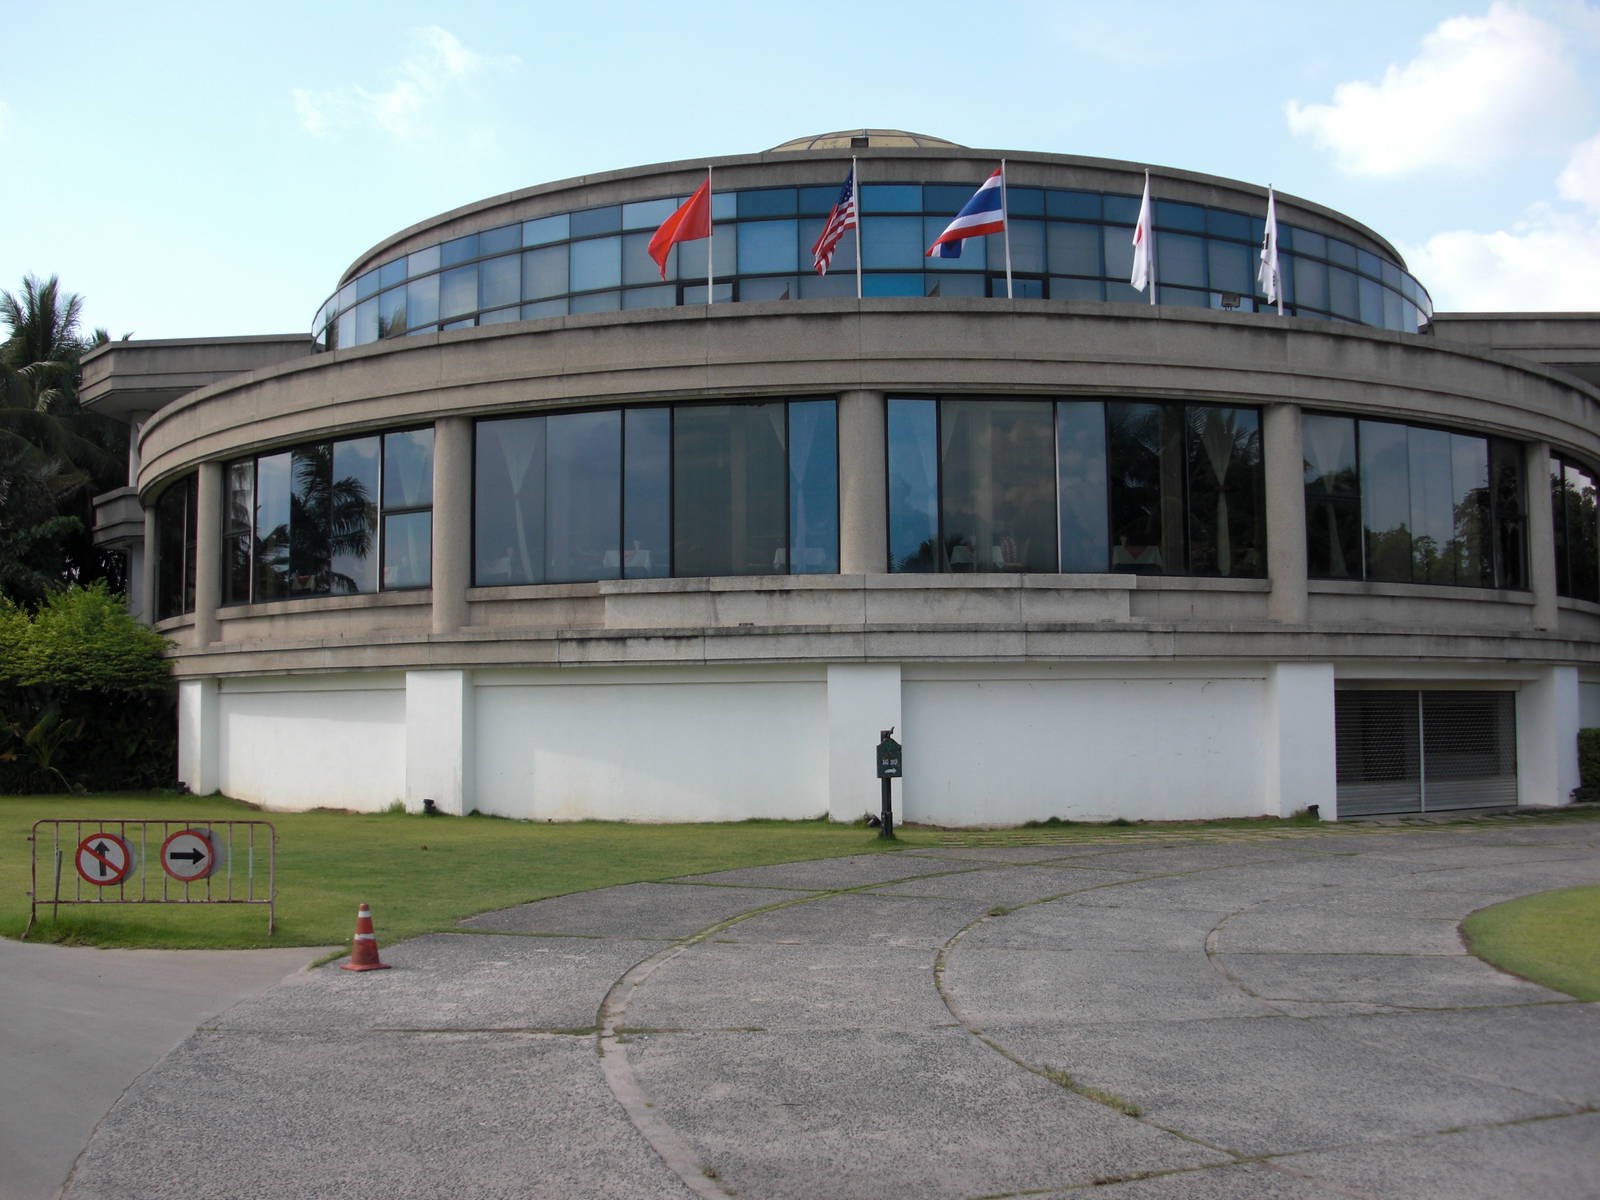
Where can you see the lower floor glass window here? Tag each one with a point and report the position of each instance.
(174, 549)
(982, 484)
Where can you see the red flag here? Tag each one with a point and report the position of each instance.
(691, 222)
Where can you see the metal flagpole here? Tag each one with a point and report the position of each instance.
(1005, 224)
(855, 199)
(711, 236)
(1151, 233)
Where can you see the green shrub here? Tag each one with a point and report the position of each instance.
(86, 697)
(1589, 764)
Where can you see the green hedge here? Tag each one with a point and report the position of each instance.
(86, 697)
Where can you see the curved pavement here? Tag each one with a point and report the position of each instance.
(1232, 1016)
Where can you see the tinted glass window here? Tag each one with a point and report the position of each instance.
(729, 468)
(813, 488)
(647, 494)
(914, 485)
(1081, 485)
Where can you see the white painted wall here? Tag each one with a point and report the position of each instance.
(297, 742)
(999, 746)
(665, 745)
(1547, 737)
(863, 700)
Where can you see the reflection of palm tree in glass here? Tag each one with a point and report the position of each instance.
(328, 519)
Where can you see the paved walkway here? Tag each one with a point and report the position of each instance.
(1235, 1018)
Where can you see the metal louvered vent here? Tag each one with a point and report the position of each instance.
(1401, 752)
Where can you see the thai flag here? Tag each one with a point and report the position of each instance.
(984, 213)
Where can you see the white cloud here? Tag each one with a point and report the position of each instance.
(437, 62)
(1478, 90)
(1548, 261)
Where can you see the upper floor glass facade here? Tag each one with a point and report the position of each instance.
(1065, 245)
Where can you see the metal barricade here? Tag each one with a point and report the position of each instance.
(111, 863)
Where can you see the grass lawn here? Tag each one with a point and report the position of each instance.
(1552, 939)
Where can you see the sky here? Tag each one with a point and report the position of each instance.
(211, 170)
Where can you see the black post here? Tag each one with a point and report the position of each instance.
(889, 765)
(886, 829)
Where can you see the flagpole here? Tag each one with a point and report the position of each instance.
(1277, 271)
(1005, 225)
(1152, 232)
(855, 199)
(711, 239)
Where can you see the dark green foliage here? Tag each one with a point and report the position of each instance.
(86, 697)
(1589, 764)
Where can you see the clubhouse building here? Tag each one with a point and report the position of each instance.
(525, 528)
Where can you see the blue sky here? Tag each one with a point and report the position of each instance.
(211, 170)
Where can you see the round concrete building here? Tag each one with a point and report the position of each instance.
(526, 528)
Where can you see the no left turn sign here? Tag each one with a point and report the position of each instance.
(104, 859)
(188, 855)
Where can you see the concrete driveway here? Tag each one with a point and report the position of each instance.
(1243, 1016)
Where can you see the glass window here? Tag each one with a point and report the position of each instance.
(647, 493)
(543, 230)
(1122, 210)
(1310, 284)
(728, 470)
(767, 246)
(1172, 215)
(310, 519)
(997, 485)
(392, 273)
(662, 296)
(544, 273)
(1077, 289)
(508, 501)
(420, 262)
(408, 550)
(1180, 260)
(596, 264)
(583, 496)
(597, 220)
(366, 285)
(1081, 485)
(593, 302)
(1386, 500)
(1027, 247)
(272, 527)
(1118, 246)
(392, 313)
(1578, 542)
(1341, 253)
(1472, 539)
(1146, 495)
(500, 241)
(238, 508)
(408, 469)
(1024, 201)
(174, 549)
(959, 285)
(767, 202)
(648, 214)
(892, 285)
(459, 250)
(1084, 206)
(1333, 497)
(544, 308)
(422, 302)
(1307, 243)
(353, 516)
(1074, 249)
(499, 281)
(813, 488)
(1227, 529)
(974, 251)
(892, 242)
(692, 258)
(1343, 298)
(500, 316)
(1228, 225)
(1508, 498)
(899, 198)
(639, 268)
(458, 293)
(1232, 268)
(1432, 519)
(913, 446)
(364, 318)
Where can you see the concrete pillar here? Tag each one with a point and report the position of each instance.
(1541, 535)
(207, 554)
(147, 570)
(1284, 457)
(863, 494)
(199, 734)
(438, 740)
(452, 522)
(862, 700)
(1298, 740)
(1547, 738)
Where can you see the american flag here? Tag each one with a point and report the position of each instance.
(840, 222)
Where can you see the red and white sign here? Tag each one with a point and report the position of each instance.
(104, 859)
(188, 855)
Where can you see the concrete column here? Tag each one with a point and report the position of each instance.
(1286, 512)
(1298, 740)
(862, 700)
(863, 506)
(199, 734)
(452, 522)
(147, 570)
(1541, 535)
(1547, 738)
(438, 740)
(207, 554)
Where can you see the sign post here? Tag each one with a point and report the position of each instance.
(889, 763)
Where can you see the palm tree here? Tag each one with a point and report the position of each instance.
(54, 456)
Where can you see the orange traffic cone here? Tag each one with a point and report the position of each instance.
(364, 947)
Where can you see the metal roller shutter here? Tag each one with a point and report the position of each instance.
(1406, 752)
